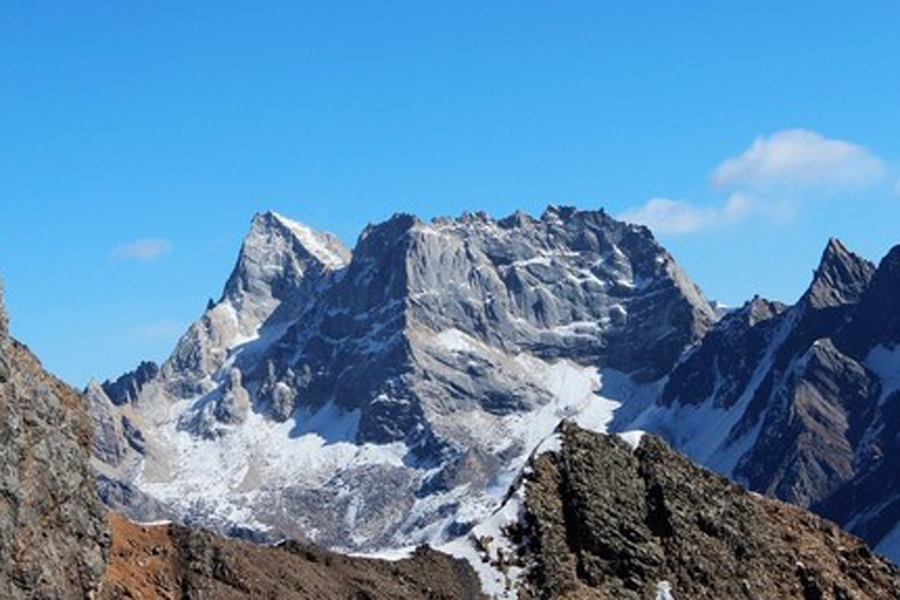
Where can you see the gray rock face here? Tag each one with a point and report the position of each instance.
(235, 403)
(574, 285)
(801, 397)
(53, 531)
(841, 278)
(387, 398)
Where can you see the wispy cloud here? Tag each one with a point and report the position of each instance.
(799, 160)
(671, 216)
(146, 250)
(663, 215)
(771, 178)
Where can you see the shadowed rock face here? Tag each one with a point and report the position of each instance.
(53, 533)
(606, 521)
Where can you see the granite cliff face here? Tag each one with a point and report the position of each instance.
(388, 398)
(53, 533)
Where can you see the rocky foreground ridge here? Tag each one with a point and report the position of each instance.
(801, 402)
(170, 561)
(608, 520)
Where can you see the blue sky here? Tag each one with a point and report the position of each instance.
(137, 139)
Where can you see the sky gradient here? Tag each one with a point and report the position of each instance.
(137, 140)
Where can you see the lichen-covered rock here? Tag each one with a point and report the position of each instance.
(53, 531)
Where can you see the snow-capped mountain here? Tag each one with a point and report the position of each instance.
(390, 397)
(380, 399)
(801, 402)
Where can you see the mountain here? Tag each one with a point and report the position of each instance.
(387, 398)
(379, 399)
(801, 402)
(588, 516)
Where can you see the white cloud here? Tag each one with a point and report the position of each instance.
(772, 178)
(671, 216)
(800, 161)
(146, 250)
(663, 215)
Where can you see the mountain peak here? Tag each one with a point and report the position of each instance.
(840, 278)
(322, 246)
(276, 254)
(757, 309)
(554, 212)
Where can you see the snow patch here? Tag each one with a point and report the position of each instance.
(454, 340)
(489, 550)
(160, 523)
(551, 444)
(312, 242)
(226, 474)
(664, 591)
(632, 438)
